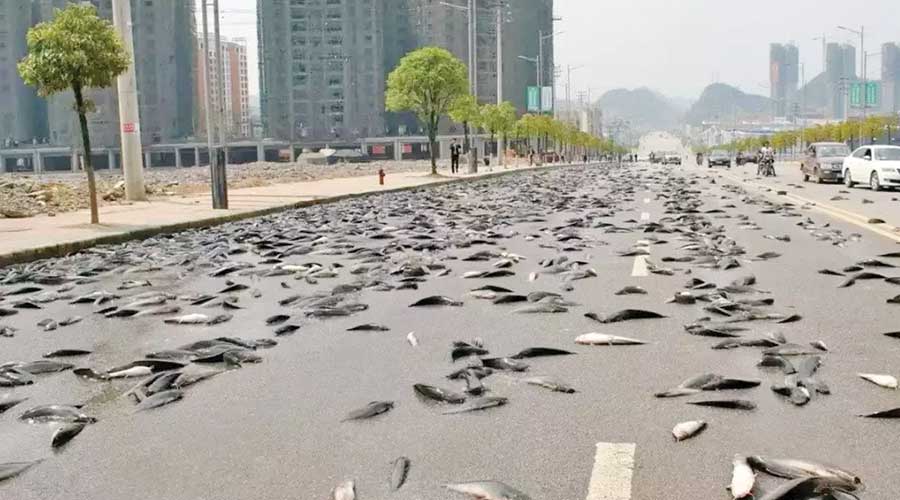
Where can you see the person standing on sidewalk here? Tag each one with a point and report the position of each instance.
(455, 151)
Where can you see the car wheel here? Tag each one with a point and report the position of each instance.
(805, 177)
(873, 182)
(848, 181)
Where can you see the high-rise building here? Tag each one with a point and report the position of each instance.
(840, 71)
(19, 107)
(164, 48)
(342, 52)
(237, 94)
(321, 68)
(784, 71)
(890, 77)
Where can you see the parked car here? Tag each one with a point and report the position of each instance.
(744, 158)
(879, 166)
(824, 161)
(719, 158)
(672, 159)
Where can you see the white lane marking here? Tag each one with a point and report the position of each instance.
(645, 215)
(640, 267)
(613, 470)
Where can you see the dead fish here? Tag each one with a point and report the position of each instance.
(488, 490)
(369, 327)
(71, 320)
(829, 272)
(886, 381)
(894, 300)
(159, 311)
(464, 350)
(236, 287)
(134, 371)
(624, 315)
(478, 404)
(510, 299)
(48, 324)
(483, 294)
(6, 404)
(161, 398)
(542, 307)
(66, 433)
(818, 344)
(536, 352)
(731, 404)
(65, 353)
(790, 319)
(286, 330)
(10, 470)
(438, 394)
(893, 413)
(44, 366)
(685, 298)
(632, 290)
(371, 410)
(189, 319)
(506, 364)
(789, 468)
(492, 288)
(687, 430)
(768, 255)
(412, 339)
(436, 300)
(399, 471)
(344, 491)
(277, 319)
(595, 338)
(790, 350)
(56, 413)
(777, 361)
(550, 383)
(742, 478)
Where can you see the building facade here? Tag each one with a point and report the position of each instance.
(784, 71)
(342, 51)
(321, 68)
(890, 77)
(237, 94)
(165, 66)
(840, 71)
(21, 111)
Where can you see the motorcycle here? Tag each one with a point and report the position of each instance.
(766, 165)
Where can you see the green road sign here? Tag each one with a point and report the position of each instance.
(533, 98)
(872, 94)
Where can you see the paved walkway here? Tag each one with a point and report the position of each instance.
(23, 240)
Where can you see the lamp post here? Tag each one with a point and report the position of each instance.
(470, 10)
(862, 51)
(569, 106)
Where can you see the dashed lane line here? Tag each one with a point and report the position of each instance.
(612, 473)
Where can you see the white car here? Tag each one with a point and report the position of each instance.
(878, 166)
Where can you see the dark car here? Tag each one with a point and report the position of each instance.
(744, 158)
(719, 158)
(824, 161)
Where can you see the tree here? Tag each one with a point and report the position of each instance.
(427, 82)
(498, 119)
(465, 110)
(76, 50)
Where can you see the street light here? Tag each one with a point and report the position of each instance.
(470, 10)
(536, 62)
(568, 87)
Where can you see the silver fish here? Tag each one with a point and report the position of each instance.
(488, 490)
(687, 430)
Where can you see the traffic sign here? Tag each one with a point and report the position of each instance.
(872, 95)
(547, 99)
(533, 98)
(856, 95)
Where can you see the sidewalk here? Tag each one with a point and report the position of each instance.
(24, 240)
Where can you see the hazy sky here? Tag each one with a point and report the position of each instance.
(680, 46)
(674, 46)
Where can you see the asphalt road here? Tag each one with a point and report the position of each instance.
(273, 430)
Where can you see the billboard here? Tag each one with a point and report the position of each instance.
(533, 99)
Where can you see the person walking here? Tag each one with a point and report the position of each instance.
(455, 151)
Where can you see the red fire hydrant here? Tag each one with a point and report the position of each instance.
(381, 176)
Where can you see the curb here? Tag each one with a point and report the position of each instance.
(62, 249)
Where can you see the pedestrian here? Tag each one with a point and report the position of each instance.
(455, 150)
(531, 158)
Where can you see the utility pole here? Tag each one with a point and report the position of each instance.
(221, 188)
(129, 116)
(216, 171)
(540, 62)
(501, 144)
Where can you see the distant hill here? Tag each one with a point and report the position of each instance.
(720, 102)
(644, 108)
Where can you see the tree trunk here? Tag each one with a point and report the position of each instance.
(432, 139)
(86, 140)
(466, 140)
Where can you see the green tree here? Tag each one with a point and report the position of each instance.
(76, 50)
(427, 82)
(498, 119)
(465, 110)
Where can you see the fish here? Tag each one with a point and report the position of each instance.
(550, 383)
(369, 327)
(789, 468)
(286, 330)
(436, 300)
(829, 272)
(797, 489)
(542, 307)
(438, 394)
(66, 433)
(344, 491)
(6, 404)
(504, 364)
(478, 404)
(624, 315)
(412, 339)
(370, 410)
(134, 371)
(56, 413)
(492, 288)
(159, 311)
(536, 352)
(44, 366)
(731, 404)
(465, 350)
(277, 319)
(742, 478)
(790, 319)
(687, 430)
(161, 398)
(886, 381)
(595, 338)
(189, 319)
(71, 320)
(399, 472)
(818, 344)
(487, 490)
(892, 413)
(510, 299)
(632, 290)
(10, 470)
(790, 350)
